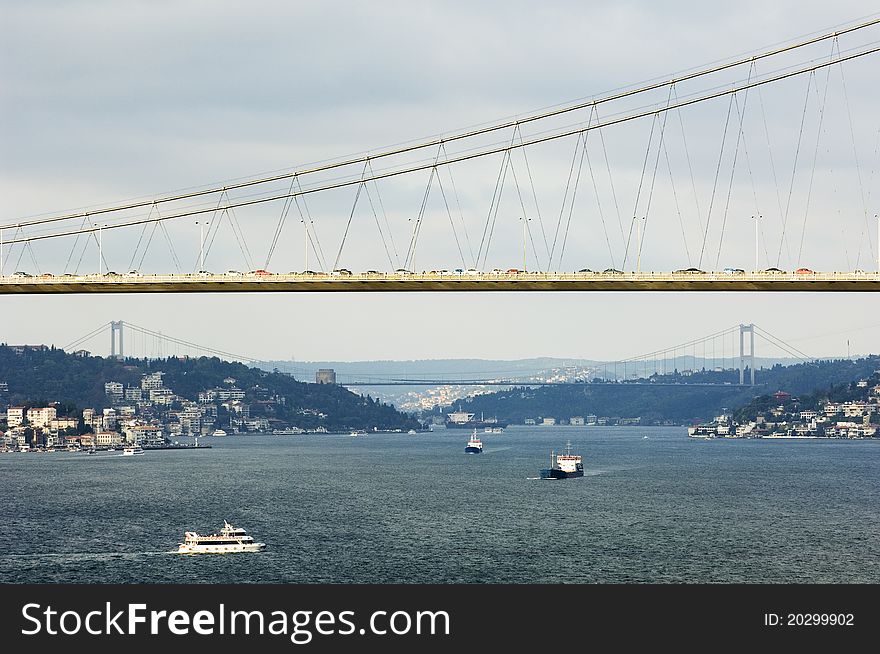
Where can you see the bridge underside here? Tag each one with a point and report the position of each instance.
(296, 283)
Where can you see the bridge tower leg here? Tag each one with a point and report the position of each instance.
(742, 357)
(116, 337)
(752, 352)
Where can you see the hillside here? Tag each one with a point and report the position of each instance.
(680, 404)
(38, 376)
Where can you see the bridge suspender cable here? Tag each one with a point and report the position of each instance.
(461, 135)
(465, 157)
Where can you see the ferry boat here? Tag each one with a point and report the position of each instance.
(563, 466)
(474, 445)
(218, 432)
(230, 539)
(131, 450)
(494, 430)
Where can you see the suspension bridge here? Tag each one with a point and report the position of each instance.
(652, 187)
(711, 360)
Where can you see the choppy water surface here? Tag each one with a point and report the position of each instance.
(389, 508)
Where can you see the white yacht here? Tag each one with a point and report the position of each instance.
(230, 539)
(131, 450)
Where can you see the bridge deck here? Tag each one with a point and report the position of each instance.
(391, 282)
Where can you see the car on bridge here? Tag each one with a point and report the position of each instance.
(690, 271)
(513, 271)
(804, 271)
(21, 273)
(403, 271)
(585, 270)
(232, 273)
(612, 271)
(133, 273)
(260, 272)
(775, 271)
(734, 271)
(341, 271)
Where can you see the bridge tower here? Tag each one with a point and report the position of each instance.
(116, 337)
(742, 357)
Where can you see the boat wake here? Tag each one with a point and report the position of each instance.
(81, 556)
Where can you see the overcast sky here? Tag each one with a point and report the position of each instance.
(102, 101)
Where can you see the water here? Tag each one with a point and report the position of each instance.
(389, 508)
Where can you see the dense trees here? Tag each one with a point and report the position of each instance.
(36, 376)
(681, 403)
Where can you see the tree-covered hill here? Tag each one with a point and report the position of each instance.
(38, 376)
(682, 403)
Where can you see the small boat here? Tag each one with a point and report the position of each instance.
(474, 445)
(132, 450)
(218, 432)
(411, 432)
(494, 430)
(230, 539)
(563, 466)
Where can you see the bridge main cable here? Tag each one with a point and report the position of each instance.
(447, 139)
(495, 150)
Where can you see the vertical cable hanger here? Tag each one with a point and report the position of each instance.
(855, 156)
(535, 198)
(596, 192)
(350, 216)
(496, 201)
(574, 159)
(411, 251)
(285, 209)
(460, 213)
(820, 103)
(388, 230)
(739, 136)
(660, 142)
(784, 241)
(639, 190)
(715, 183)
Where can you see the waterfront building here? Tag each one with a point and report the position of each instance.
(108, 438)
(14, 416)
(576, 421)
(40, 417)
(58, 424)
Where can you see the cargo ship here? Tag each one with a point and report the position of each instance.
(474, 445)
(465, 420)
(563, 466)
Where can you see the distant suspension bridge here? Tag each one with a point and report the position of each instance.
(732, 349)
